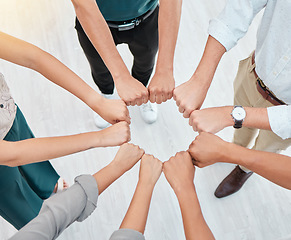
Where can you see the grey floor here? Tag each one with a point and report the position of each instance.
(261, 210)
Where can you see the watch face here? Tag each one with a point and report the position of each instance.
(238, 113)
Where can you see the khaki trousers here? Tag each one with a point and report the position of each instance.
(247, 95)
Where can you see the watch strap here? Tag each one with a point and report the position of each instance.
(237, 124)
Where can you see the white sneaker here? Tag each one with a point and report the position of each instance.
(99, 121)
(149, 112)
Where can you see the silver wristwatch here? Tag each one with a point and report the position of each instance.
(238, 115)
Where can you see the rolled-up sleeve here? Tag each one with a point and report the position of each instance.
(61, 210)
(127, 234)
(280, 120)
(234, 21)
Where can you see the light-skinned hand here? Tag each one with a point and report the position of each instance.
(150, 170)
(127, 156)
(211, 120)
(179, 171)
(115, 135)
(208, 149)
(113, 110)
(189, 96)
(131, 91)
(161, 87)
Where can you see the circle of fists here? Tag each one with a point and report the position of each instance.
(189, 97)
(178, 170)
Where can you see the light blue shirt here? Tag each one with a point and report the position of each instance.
(273, 49)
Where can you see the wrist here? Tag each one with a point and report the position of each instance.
(202, 79)
(94, 101)
(230, 154)
(184, 188)
(227, 116)
(121, 75)
(147, 185)
(117, 167)
(162, 68)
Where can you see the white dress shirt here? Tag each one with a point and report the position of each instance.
(273, 49)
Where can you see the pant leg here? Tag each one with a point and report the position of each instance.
(245, 95)
(144, 47)
(101, 75)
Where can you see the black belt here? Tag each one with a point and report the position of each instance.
(130, 24)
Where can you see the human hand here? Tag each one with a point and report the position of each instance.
(113, 110)
(161, 87)
(208, 149)
(131, 91)
(150, 170)
(115, 135)
(211, 120)
(127, 156)
(179, 171)
(189, 96)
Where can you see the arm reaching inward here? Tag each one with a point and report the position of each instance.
(42, 149)
(162, 84)
(179, 172)
(131, 91)
(272, 166)
(134, 222)
(217, 118)
(27, 55)
(224, 33)
(78, 201)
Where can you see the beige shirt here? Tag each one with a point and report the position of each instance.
(7, 108)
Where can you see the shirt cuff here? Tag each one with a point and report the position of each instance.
(127, 234)
(222, 34)
(280, 120)
(90, 187)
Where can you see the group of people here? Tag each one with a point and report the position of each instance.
(261, 112)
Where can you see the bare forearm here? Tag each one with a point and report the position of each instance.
(42, 149)
(213, 52)
(169, 20)
(30, 56)
(272, 166)
(255, 117)
(99, 34)
(106, 176)
(195, 226)
(137, 213)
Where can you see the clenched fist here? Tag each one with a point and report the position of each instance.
(161, 87)
(189, 96)
(132, 92)
(115, 135)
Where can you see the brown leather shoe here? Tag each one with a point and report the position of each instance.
(232, 183)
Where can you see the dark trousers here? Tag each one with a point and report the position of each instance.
(142, 42)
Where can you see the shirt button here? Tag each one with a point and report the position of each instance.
(286, 58)
(1, 106)
(275, 73)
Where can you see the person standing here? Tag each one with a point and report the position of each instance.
(144, 26)
(262, 81)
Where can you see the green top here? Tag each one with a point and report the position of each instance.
(122, 10)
